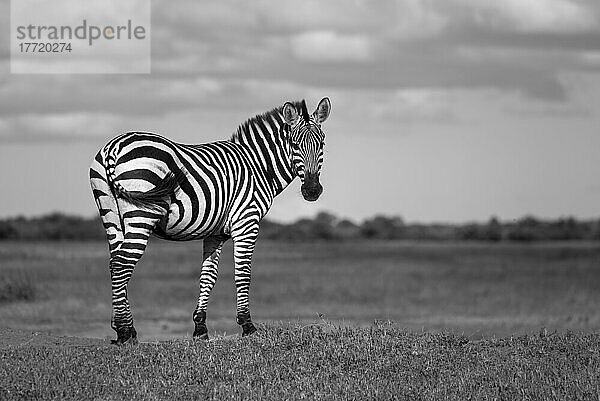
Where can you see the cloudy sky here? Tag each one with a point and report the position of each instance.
(448, 110)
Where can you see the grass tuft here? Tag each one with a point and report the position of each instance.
(16, 285)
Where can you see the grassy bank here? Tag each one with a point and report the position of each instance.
(313, 362)
(478, 289)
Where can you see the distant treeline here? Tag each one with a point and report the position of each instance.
(328, 227)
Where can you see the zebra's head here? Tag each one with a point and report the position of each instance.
(307, 140)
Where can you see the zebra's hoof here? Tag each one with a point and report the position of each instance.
(126, 336)
(200, 332)
(248, 329)
(244, 320)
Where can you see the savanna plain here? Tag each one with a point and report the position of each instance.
(337, 320)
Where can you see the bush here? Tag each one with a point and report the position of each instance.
(16, 285)
(382, 227)
(328, 227)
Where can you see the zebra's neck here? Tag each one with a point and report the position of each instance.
(266, 139)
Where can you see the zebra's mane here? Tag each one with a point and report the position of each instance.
(274, 113)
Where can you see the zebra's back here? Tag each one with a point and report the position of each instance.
(210, 178)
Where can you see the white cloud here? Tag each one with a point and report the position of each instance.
(56, 126)
(411, 20)
(326, 46)
(532, 15)
(239, 54)
(591, 59)
(23, 94)
(415, 105)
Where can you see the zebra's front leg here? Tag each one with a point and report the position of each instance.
(208, 277)
(244, 242)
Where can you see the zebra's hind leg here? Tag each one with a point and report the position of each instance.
(208, 277)
(111, 220)
(138, 225)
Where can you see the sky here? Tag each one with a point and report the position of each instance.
(442, 111)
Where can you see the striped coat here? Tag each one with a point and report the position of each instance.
(144, 183)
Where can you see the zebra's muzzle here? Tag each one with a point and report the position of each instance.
(311, 187)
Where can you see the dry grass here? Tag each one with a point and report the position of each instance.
(476, 289)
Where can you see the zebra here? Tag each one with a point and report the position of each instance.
(144, 183)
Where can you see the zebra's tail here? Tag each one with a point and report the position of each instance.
(156, 199)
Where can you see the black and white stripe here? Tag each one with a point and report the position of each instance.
(146, 184)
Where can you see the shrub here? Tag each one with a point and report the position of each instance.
(16, 285)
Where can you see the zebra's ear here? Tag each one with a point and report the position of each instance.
(290, 114)
(322, 111)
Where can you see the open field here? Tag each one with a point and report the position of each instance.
(473, 289)
(322, 310)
